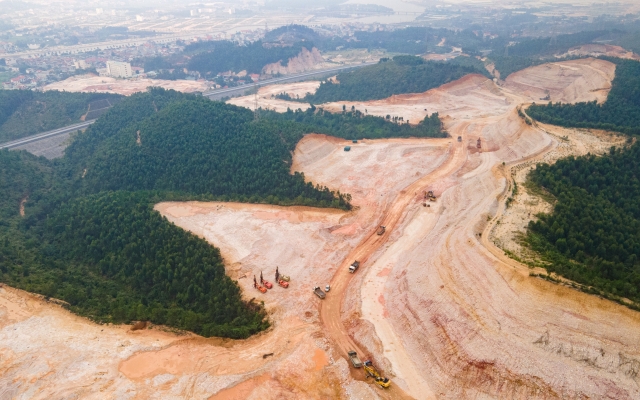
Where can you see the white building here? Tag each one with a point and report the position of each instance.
(80, 64)
(119, 69)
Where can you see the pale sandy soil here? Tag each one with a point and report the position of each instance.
(595, 50)
(565, 81)
(354, 56)
(508, 231)
(103, 84)
(267, 100)
(440, 309)
(305, 61)
(474, 95)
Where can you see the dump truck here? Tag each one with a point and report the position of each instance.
(319, 292)
(280, 277)
(354, 266)
(372, 372)
(353, 356)
(381, 230)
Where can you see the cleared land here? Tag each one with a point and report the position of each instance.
(126, 87)
(595, 50)
(267, 100)
(440, 309)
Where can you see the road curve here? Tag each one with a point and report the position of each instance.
(330, 308)
(44, 135)
(213, 93)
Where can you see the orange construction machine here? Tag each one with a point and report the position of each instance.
(261, 288)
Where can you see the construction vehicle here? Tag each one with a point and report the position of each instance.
(372, 372)
(327, 288)
(319, 292)
(280, 277)
(459, 138)
(479, 143)
(283, 283)
(266, 284)
(381, 230)
(261, 288)
(353, 356)
(354, 267)
(431, 196)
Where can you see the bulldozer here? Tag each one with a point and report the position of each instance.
(372, 372)
(429, 195)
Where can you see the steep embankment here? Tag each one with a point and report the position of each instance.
(437, 307)
(305, 61)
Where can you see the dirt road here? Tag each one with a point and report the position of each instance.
(436, 304)
(331, 307)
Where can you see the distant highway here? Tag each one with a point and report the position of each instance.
(213, 95)
(44, 135)
(240, 90)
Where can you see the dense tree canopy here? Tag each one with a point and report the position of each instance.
(593, 234)
(91, 238)
(529, 52)
(354, 124)
(403, 74)
(25, 112)
(221, 56)
(621, 111)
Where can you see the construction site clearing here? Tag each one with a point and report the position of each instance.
(103, 84)
(436, 306)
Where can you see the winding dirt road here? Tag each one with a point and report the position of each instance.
(441, 310)
(330, 309)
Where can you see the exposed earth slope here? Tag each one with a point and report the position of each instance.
(437, 306)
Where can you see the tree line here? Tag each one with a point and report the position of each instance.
(593, 235)
(402, 74)
(220, 56)
(621, 111)
(91, 238)
(26, 112)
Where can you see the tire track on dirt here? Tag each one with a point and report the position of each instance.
(330, 308)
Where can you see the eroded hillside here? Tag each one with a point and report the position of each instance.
(436, 305)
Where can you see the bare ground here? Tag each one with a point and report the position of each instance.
(438, 307)
(267, 100)
(596, 50)
(126, 87)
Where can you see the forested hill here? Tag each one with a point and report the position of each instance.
(621, 111)
(90, 235)
(593, 235)
(403, 74)
(25, 112)
(529, 52)
(221, 56)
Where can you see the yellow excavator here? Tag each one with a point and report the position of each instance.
(372, 372)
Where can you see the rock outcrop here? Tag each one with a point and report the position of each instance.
(306, 60)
